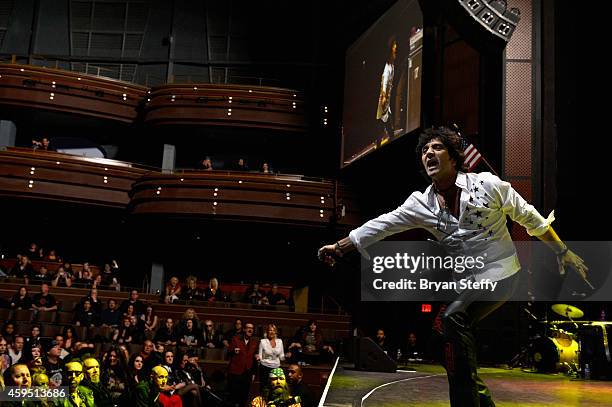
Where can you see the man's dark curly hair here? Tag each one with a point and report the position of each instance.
(450, 139)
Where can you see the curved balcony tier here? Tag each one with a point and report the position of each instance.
(26, 86)
(226, 105)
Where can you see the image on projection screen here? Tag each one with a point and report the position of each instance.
(382, 86)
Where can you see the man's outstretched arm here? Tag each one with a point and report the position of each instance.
(565, 256)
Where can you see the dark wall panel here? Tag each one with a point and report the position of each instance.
(155, 45)
(189, 30)
(52, 32)
(17, 37)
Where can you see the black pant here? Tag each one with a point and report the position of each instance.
(458, 323)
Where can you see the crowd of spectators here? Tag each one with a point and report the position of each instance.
(240, 164)
(127, 342)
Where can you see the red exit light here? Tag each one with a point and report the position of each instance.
(425, 307)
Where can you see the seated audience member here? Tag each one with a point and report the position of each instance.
(166, 334)
(8, 331)
(190, 335)
(139, 307)
(275, 297)
(236, 330)
(277, 392)
(43, 301)
(34, 338)
(149, 320)
(137, 326)
(33, 355)
(193, 369)
(34, 252)
(111, 315)
(172, 292)
(210, 337)
(98, 283)
(41, 276)
(16, 350)
(381, 340)
(70, 337)
(84, 277)
(78, 395)
(61, 278)
(191, 291)
(5, 358)
(18, 375)
(124, 333)
(150, 356)
(265, 168)
(54, 366)
(21, 299)
(110, 276)
(114, 372)
(239, 165)
(153, 390)
(86, 316)
(213, 293)
(181, 382)
(205, 164)
(297, 386)
(64, 351)
(52, 256)
(23, 269)
(253, 294)
(134, 371)
(307, 345)
(95, 302)
(44, 144)
(190, 314)
(93, 381)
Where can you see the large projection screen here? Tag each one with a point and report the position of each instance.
(382, 86)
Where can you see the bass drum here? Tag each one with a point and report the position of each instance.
(554, 354)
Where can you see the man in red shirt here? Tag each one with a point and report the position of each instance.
(241, 369)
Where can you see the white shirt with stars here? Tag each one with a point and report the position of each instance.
(485, 201)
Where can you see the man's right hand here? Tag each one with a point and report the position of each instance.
(328, 252)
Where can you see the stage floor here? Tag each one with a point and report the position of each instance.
(427, 386)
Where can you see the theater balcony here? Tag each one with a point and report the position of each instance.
(245, 196)
(227, 106)
(46, 175)
(54, 90)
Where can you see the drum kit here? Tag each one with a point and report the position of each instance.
(571, 345)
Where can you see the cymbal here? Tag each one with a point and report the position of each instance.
(568, 311)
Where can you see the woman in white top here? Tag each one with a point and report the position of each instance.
(271, 353)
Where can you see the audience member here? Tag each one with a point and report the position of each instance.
(297, 386)
(190, 314)
(78, 395)
(21, 299)
(93, 375)
(53, 364)
(172, 291)
(134, 371)
(150, 322)
(86, 316)
(275, 297)
(64, 351)
(277, 392)
(23, 269)
(205, 164)
(43, 301)
(5, 358)
(114, 372)
(166, 334)
(34, 338)
(191, 291)
(381, 340)
(124, 333)
(265, 168)
(236, 330)
(139, 307)
(181, 381)
(210, 337)
(62, 278)
(8, 331)
(70, 337)
(111, 315)
(241, 368)
(253, 294)
(308, 345)
(190, 335)
(41, 276)
(213, 292)
(16, 350)
(271, 353)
